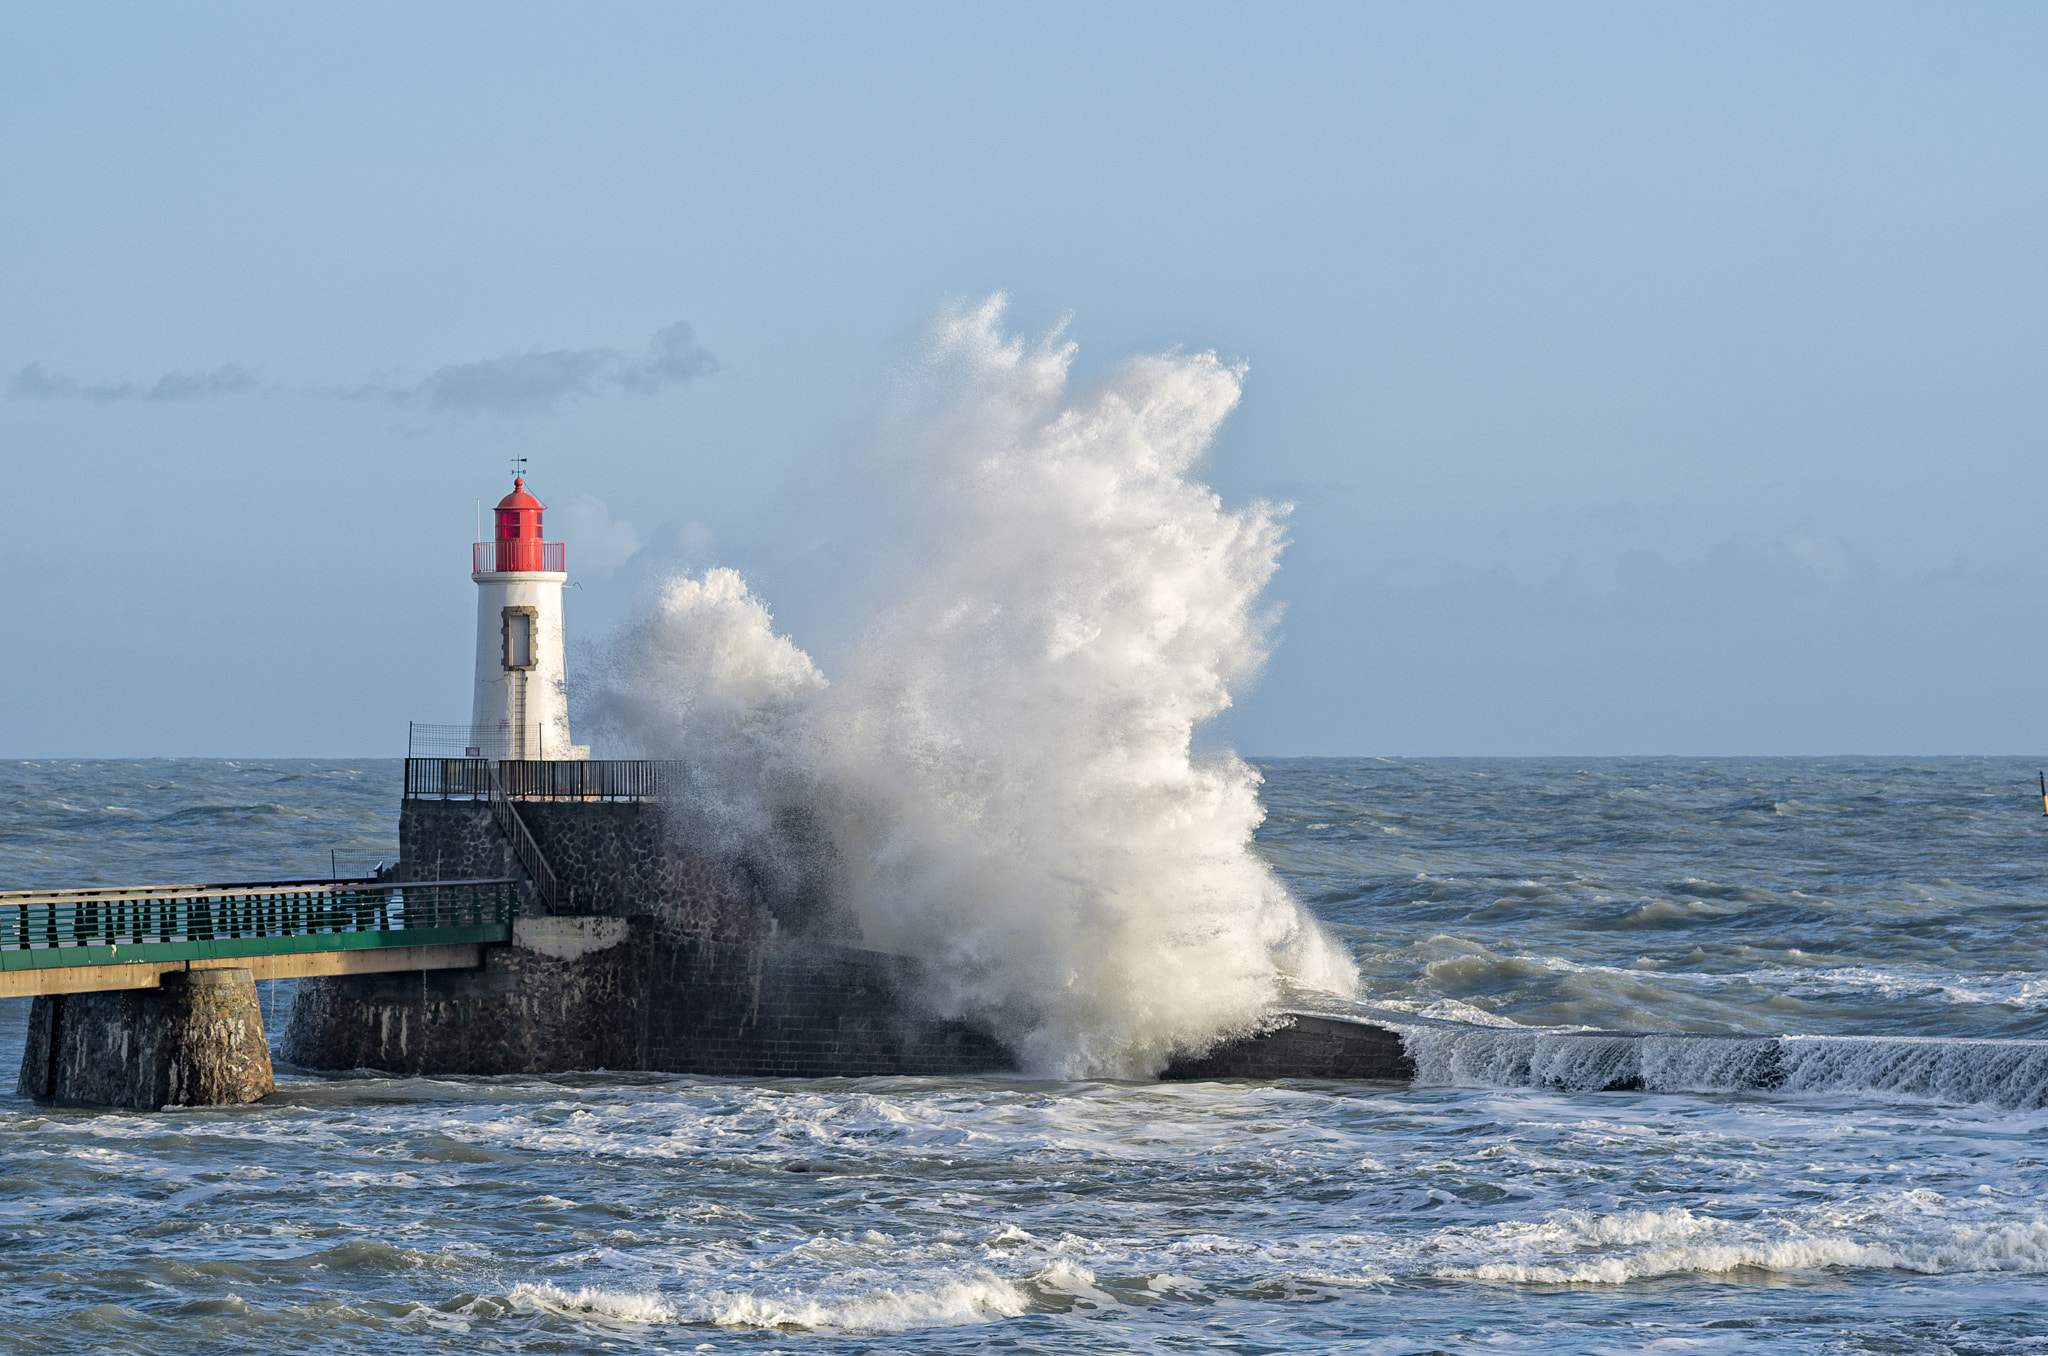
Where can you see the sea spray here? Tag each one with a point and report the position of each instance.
(1001, 767)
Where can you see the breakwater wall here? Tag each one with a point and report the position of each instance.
(2011, 1074)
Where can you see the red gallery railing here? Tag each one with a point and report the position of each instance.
(505, 557)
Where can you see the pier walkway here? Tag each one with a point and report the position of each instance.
(86, 941)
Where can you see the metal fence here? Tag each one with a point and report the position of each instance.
(590, 779)
(72, 927)
(447, 778)
(470, 779)
(495, 742)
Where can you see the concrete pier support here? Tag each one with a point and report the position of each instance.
(197, 1040)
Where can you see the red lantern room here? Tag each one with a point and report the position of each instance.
(518, 545)
(519, 516)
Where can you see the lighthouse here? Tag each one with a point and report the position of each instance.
(521, 709)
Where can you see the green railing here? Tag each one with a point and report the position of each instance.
(43, 928)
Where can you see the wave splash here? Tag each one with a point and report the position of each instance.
(977, 1299)
(613, 1306)
(1001, 766)
(2010, 1075)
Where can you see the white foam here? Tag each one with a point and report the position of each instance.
(1002, 764)
(1448, 1010)
(957, 1303)
(1070, 1280)
(620, 1306)
(1580, 1247)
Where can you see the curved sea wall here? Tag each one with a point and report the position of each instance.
(2006, 1074)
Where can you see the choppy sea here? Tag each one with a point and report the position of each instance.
(1896, 1201)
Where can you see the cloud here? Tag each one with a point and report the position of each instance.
(520, 383)
(674, 358)
(534, 382)
(33, 383)
(537, 382)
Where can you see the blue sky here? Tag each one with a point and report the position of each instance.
(1648, 379)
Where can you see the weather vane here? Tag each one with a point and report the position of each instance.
(518, 468)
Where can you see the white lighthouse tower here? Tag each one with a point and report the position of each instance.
(521, 709)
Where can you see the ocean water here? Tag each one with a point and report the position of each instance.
(1884, 1193)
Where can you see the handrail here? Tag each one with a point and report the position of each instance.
(447, 778)
(182, 891)
(46, 928)
(587, 779)
(524, 850)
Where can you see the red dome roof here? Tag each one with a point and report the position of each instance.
(519, 498)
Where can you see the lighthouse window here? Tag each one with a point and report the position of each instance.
(519, 637)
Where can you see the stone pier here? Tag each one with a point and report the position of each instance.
(196, 1040)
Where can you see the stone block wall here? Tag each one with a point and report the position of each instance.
(641, 997)
(611, 858)
(622, 858)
